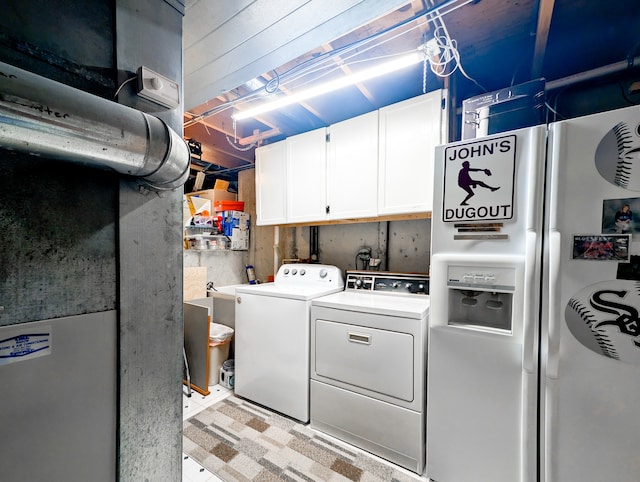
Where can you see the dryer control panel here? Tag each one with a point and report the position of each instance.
(379, 282)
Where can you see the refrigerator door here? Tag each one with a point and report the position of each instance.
(590, 326)
(489, 193)
(479, 396)
(482, 368)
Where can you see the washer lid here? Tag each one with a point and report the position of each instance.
(406, 306)
(290, 291)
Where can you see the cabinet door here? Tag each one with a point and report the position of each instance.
(306, 176)
(271, 178)
(352, 167)
(409, 132)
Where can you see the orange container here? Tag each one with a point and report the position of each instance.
(228, 206)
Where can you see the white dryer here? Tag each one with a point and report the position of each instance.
(272, 336)
(368, 365)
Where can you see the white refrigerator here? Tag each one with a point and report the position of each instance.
(534, 338)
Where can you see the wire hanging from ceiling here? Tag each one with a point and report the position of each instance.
(235, 137)
(444, 59)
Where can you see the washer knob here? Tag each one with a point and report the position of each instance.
(294, 271)
(302, 272)
(286, 271)
(358, 283)
(323, 273)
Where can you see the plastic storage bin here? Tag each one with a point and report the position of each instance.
(228, 206)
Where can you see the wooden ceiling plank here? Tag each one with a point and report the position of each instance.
(545, 13)
(218, 64)
(284, 90)
(216, 141)
(347, 71)
(211, 156)
(415, 6)
(259, 136)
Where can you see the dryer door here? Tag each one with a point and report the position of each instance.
(366, 358)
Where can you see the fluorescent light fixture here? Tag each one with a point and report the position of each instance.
(385, 68)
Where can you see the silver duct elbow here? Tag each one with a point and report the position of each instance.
(46, 118)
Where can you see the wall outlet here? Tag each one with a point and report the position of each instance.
(158, 88)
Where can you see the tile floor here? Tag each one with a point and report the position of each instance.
(192, 471)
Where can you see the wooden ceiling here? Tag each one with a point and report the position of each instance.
(500, 43)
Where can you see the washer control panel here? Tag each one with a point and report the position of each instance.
(388, 282)
(309, 274)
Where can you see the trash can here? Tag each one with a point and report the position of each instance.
(219, 343)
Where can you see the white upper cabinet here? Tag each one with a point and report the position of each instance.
(409, 132)
(376, 164)
(271, 181)
(306, 176)
(352, 168)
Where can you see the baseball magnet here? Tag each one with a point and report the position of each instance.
(617, 156)
(604, 317)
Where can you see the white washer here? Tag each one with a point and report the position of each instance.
(272, 336)
(368, 365)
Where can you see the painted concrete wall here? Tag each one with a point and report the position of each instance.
(406, 248)
(402, 246)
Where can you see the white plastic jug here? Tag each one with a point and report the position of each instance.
(226, 377)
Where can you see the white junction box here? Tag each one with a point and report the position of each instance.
(158, 88)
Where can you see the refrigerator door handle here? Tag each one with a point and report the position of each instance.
(553, 343)
(529, 302)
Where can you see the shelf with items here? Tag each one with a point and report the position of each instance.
(201, 229)
(228, 230)
(207, 242)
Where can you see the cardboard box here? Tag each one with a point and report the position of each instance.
(215, 195)
(199, 204)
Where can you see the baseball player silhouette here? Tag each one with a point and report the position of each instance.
(466, 183)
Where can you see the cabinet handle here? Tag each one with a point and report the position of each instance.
(327, 209)
(359, 338)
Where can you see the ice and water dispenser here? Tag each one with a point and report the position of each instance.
(481, 298)
(477, 380)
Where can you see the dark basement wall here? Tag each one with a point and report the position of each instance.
(58, 221)
(58, 254)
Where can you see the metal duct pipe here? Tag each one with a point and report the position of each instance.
(43, 117)
(594, 73)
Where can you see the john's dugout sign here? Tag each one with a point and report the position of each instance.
(479, 180)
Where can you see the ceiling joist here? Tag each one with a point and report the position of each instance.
(545, 12)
